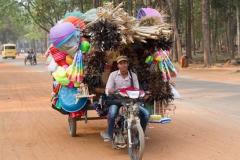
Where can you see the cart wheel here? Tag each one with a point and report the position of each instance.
(72, 126)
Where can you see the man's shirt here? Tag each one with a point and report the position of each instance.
(116, 81)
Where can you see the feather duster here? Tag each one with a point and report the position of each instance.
(159, 89)
(164, 43)
(150, 45)
(95, 66)
(105, 35)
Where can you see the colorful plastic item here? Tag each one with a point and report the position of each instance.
(142, 12)
(169, 63)
(149, 60)
(75, 21)
(68, 100)
(157, 56)
(76, 71)
(69, 59)
(61, 72)
(57, 54)
(61, 30)
(85, 46)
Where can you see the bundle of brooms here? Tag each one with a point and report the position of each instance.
(130, 28)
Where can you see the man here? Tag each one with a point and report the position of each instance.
(116, 80)
(32, 53)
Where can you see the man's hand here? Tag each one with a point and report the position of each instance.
(147, 95)
(110, 91)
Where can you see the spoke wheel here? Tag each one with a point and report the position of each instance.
(138, 143)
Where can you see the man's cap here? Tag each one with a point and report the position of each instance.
(122, 58)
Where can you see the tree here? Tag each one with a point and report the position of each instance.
(238, 31)
(46, 13)
(205, 33)
(179, 48)
(188, 37)
(12, 21)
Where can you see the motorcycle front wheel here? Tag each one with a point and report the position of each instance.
(138, 143)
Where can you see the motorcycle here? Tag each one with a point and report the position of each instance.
(127, 129)
(31, 58)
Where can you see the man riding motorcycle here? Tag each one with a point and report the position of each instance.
(31, 55)
(121, 79)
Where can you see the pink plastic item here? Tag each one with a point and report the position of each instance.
(142, 12)
(71, 85)
(65, 66)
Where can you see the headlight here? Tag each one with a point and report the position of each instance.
(133, 94)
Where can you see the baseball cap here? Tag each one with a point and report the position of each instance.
(122, 58)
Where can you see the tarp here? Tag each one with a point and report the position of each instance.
(175, 93)
(90, 15)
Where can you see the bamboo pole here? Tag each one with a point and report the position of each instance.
(149, 31)
(143, 34)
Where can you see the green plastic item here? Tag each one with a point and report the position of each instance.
(149, 108)
(63, 81)
(58, 105)
(85, 46)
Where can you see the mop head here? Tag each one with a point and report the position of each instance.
(155, 118)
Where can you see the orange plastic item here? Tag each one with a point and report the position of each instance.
(69, 59)
(75, 21)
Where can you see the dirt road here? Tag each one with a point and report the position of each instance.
(30, 129)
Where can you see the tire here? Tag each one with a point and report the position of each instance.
(72, 126)
(138, 140)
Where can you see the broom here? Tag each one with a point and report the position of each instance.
(158, 118)
(155, 118)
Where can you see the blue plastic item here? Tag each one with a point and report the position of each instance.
(165, 120)
(67, 100)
